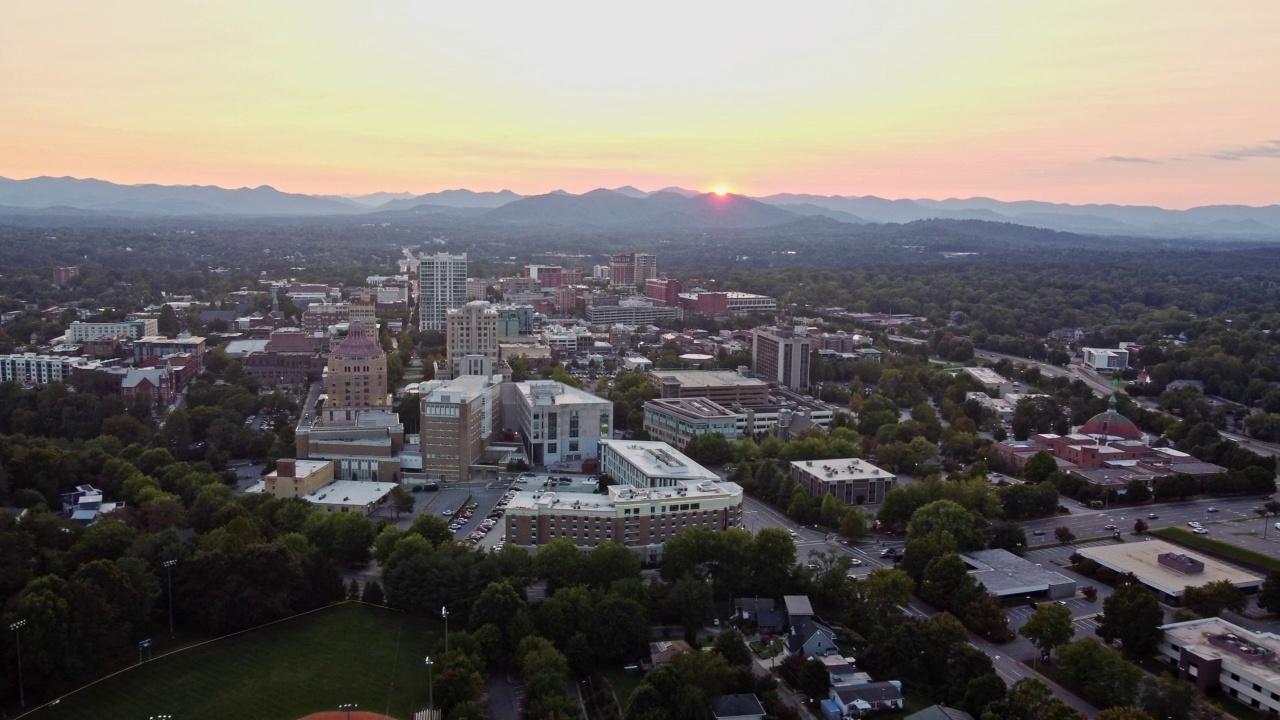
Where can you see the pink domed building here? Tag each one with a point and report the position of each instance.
(1110, 426)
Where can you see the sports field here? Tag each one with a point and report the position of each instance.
(349, 653)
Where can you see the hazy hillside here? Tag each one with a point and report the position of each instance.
(89, 194)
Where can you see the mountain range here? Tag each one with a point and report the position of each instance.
(628, 206)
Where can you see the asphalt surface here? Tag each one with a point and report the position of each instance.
(1233, 522)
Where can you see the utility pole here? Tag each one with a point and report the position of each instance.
(17, 636)
(168, 565)
(444, 613)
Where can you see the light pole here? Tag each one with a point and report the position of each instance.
(444, 613)
(168, 574)
(17, 637)
(431, 695)
(348, 707)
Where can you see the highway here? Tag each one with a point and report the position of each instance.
(1234, 522)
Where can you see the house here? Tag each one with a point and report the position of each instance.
(663, 652)
(737, 707)
(771, 622)
(798, 606)
(810, 638)
(843, 671)
(84, 505)
(748, 608)
(940, 712)
(859, 700)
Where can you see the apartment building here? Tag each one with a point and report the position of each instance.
(781, 355)
(557, 422)
(319, 316)
(649, 464)
(130, 329)
(159, 346)
(33, 369)
(640, 518)
(471, 339)
(720, 386)
(442, 284)
(458, 418)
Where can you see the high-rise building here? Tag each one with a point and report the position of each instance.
(781, 355)
(442, 284)
(471, 338)
(63, 275)
(458, 419)
(622, 269)
(646, 268)
(356, 378)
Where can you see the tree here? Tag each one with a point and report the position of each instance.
(814, 680)
(1049, 627)
(1030, 699)
(1171, 699)
(1269, 598)
(402, 501)
(947, 584)
(854, 524)
(1064, 534)
(373, 593)
(1137, 491)
(1124, 713)
(1132, 616)
(1040, 467)
(431, 527)
(353, 590)
(1211, 599)
(692, 602)
(981, 692)
(1008, 536)
(885, 591)
(733, 647)
(710, 449)
(1104, 677)
(607, 563)
(946, 516)
(167, 324)
(559, 562)
(985, 616)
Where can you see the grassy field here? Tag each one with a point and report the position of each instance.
(1226, 551)
(349, 653)
(624, 683)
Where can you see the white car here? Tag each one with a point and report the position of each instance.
(855, 562)
(1200, 531)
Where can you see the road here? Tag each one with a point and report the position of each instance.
(1233, 522)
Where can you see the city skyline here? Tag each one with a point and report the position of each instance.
(1168, 104)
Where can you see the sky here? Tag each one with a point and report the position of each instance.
(1172, 102)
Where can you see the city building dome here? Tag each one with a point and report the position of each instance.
(1111, 425)
(357, 345)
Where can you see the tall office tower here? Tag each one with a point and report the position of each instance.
(646, 267)
(356, 378)
(442, 284)
(781, 355)
(622, 269)
(471, 338)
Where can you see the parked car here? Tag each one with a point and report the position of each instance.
(1193, 523)
(1110, 527)
(446, 512)
(1211, 509)
(1038, 532)
(1152, 516)
(855, 562)
(1200, 531)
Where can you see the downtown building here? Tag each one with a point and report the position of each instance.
(782, 355)
(129, 329)
(442, 285)
(355, 379)
(471, 340)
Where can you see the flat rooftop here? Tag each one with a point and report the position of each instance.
(303, 468)
(1004, 573)
(1208, 636)
(459, 390)
(581, 500)
(1139, 558)
(986, 376)
(658, 459)
(349, 492)
(841, 470)
(706, 378)
(693, 407)
(550, 392)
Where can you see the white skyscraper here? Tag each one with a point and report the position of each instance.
(442, 284)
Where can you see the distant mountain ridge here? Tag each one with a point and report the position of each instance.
(627, 204)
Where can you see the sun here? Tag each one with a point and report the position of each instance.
(721, 190)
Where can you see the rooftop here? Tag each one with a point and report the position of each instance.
(701, 408)
(349, 492)
(986, 376)
(1139, 558)
(459, 390)
(579, 497)
(705, 378)
(550, 392)
(728, 706)
(658, 459)
(1215, 638)
(301, 468)
(797, 604)
(1004, 573)
(843, 469)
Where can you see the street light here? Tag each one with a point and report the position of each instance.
(348, 707)
(17, 637)
(168, 574)
(431, 695)
(444, 613)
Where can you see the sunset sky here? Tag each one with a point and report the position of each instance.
(1171, 102)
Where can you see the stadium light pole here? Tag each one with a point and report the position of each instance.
(168, 574)
(17, 637)
(431, 695)
(444, 613)
(348, 707)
